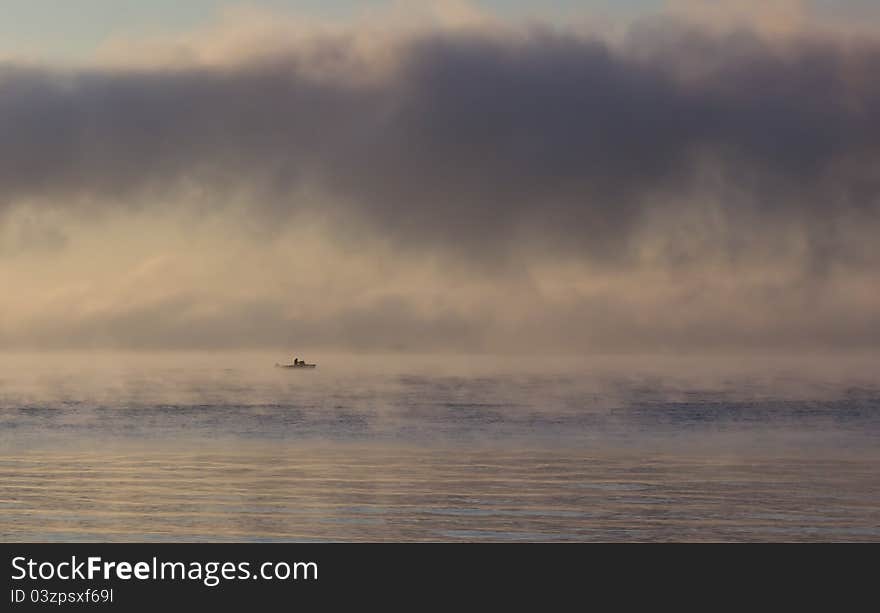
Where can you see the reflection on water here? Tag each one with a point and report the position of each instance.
(140, 449)
(349, 493)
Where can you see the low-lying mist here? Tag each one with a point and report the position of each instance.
(69, 400)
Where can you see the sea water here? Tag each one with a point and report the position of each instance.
(224, 446)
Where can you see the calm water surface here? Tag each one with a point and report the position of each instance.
(122, 447)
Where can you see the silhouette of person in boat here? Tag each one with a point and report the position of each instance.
(297, 363)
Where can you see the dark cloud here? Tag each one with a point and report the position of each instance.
(479, 144)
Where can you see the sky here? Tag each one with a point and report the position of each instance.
(65, 30)
(77, 28)
(510, 177)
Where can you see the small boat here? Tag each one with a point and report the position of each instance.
(297, 365)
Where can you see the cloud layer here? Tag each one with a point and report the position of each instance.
(726, 163)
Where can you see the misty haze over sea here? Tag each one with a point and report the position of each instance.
(227, 447)
(409, 190)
